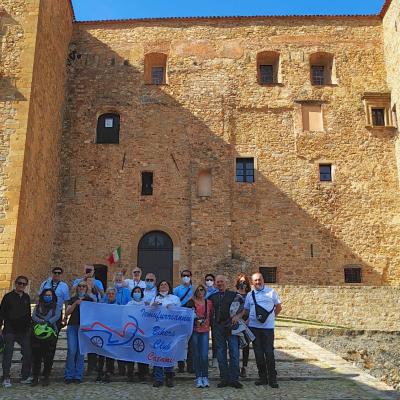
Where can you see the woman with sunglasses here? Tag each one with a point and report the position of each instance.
(203, 310)
(75, 360)
(44, 337)
(164, 298)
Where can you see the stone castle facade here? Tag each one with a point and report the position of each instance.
(248, 142)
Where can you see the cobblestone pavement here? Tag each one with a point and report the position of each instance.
(305, 371)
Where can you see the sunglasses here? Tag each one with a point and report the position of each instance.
(22, 283)
(209, 280)
(136, 272)
(201, 290)
(149, 280)
(186, 276)
(57, 272)
(82, 286)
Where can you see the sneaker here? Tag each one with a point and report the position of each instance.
(27, 381)
(157, 384)
(45, 381)
(206, 384)
(243, 372)
(199, 382)
(99, 378)
(7, 383)
(273, 383)
(68, 381)
(35, 381)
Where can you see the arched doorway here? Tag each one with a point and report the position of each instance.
(155, 254)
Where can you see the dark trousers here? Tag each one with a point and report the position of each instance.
(245, 356)
(263, 347)
(109, 365)
(143, 369)
(92, 361)
(43, 350)
(213, 343)
(24, 340)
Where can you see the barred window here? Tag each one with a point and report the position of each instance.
(245, 170)
(157, 75)
(352, 275)
(325, 172)
(266, 74)
(269, 274)
(317, 74)
(147, 183)
(378, 117)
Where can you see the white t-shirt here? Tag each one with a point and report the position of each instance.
(168, 300)
(131, 284)
(266, 298)
(149, 295)
(135, 303)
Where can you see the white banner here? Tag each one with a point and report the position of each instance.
(150, 335)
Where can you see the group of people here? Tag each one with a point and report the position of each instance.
(232, 318)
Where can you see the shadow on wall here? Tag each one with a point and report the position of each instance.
(178, 130)
(8, 84)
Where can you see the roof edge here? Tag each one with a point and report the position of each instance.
(71, 9)
(385, 7)
(238, 17)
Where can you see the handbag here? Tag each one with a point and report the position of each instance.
(261, 313)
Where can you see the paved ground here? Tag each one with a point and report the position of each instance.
(305, 371)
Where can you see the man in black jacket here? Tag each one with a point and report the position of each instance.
(222, 325)
(15, 314)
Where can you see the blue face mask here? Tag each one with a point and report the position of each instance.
(81, 294)
(149, 285)
(137, 296)
(47, 299)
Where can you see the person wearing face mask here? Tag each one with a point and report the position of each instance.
(123, 294)
(44, 337)
(164, 298)
(150, 292)
(243, 287)
(185, 292)
(143, 369)
(75, 360)
(209, 281)
(89, 273)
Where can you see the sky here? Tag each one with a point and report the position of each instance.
(117, 9)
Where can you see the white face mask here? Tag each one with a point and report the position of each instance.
(186, 279)
(163, 293)
(209, 283)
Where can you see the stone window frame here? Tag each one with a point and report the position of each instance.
(246, 155)
(273, 58)
(326, 60)
(272, 269)
(155, 60)
(320, 103)
(378, 101)
(320, 162)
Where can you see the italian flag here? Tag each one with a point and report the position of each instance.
(115, 256)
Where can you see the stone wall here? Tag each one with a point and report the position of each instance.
(18, 24)
(36, 220)
(211, 111)
(376, 308)
(391, 35)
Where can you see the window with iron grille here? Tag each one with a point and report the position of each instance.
(107, 129)
(269, 274)
(352, 275)
(157, 75)
(378, 117)
(325, 172)
(266, 74)
(245, 170)
(317, 74)
(147, 183)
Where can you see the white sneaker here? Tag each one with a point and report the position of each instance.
(7, 383)
(205, 382)
(199, 382)
(27, 381)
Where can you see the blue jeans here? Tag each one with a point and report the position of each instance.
(200, 354)
(159, 372)
(225, 340)
(75, 360)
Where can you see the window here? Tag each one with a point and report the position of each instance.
(325, 172)
(312, 117)
(266, 74)
(204, 183)
(352, 275)
(108, 129)
(155, 68)
(322, 69)
(269, 274)
(378, 112)
(268, 68)
(245, 170)
(147, 183)
(317, 74)
(378, 116)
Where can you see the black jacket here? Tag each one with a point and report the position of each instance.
(15, 312)
(221, 306)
